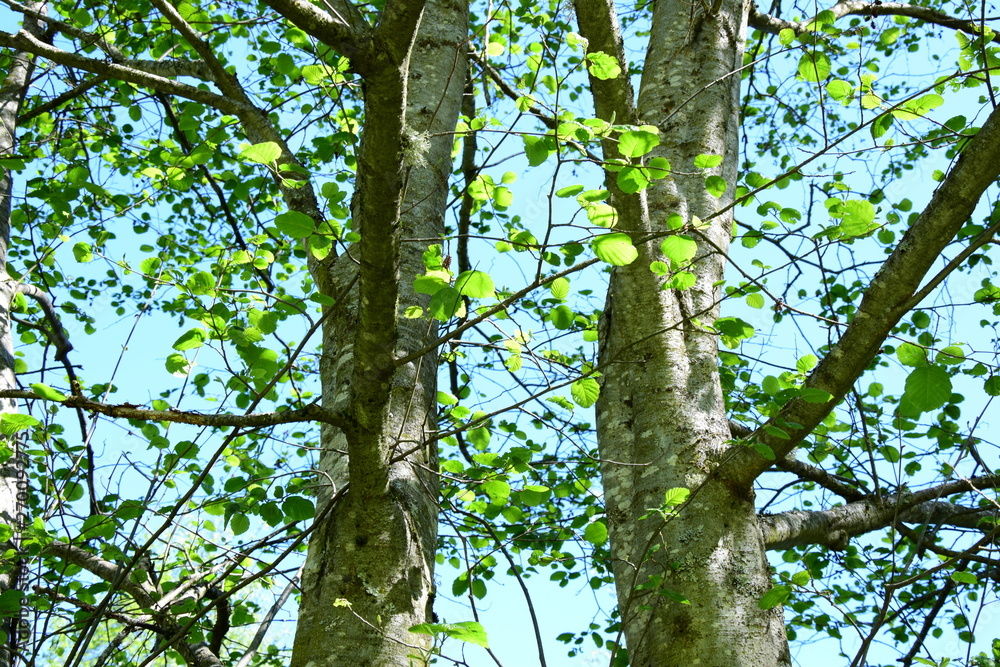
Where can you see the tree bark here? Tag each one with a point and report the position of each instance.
(13, 481)
(375, 550)
(660, 417)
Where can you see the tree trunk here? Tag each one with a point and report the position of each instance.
(375, 549)
(13, 482)
(688, 586)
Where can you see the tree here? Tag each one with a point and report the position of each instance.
(286, 176)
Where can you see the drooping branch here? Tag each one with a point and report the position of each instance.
(774, 25)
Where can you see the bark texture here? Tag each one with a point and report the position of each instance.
(13, 484)
(375, 549)
(661, 419)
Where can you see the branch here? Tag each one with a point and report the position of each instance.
(55, 332)
(311, 413)
(60, 99)
(342, 27)
(151, 74)
(774, 25)
(143, 593)
(832, 483)
(886, 300)
(835, 527)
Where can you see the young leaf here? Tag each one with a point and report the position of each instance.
(264, 153)
(47, 393)
(615, 249)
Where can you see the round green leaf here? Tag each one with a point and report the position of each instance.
(814, 66)
(635, 143)
(295, 224)
(446, 304)
(911, 355)
(475, 284)
(679, 249)
(265, 153)
(927, 388)
(615, 249)
(297, 508)
(562, 317)
(596, 533)
(839, 89)
(585, 392)
(559, 288)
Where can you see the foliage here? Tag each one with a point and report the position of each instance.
(160, 222)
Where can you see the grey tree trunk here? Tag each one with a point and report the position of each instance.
(660, 417)
(375, 547)
(13, 483)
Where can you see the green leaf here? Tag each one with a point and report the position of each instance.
(602, 66)
(190, 339)
(585, 391)
(430, 284)
(889, 453)
(964, 578)
(636, 143)
(534, 495)
(475, 284)
(537, 149)
(953, 354)
(658, 167)
(814, 66)
(83, 252)
(177, 365)
(806, 363)
(815, 395)
(676, 496)
(786, 36)
(11, 423)
(840, 90)
(264, 153)
(911, 355)
(679, 249)
(47, 393)
(559, 288)
(239, 523)
(715, 185)
(498, 491)
(446, 304)
(295, 224)
(918, 108)
(927, 388)
(602, 215)
(562, 317)
(775, 597)
(632, 179)
(858, 216)
(201, 283)
(615, 249)
(881, 125)
(150, 266)
(10, 602)
(771, 385)
(596, 533)
(569, 191)
(297, 508)
(707, 161)
(755, 300)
